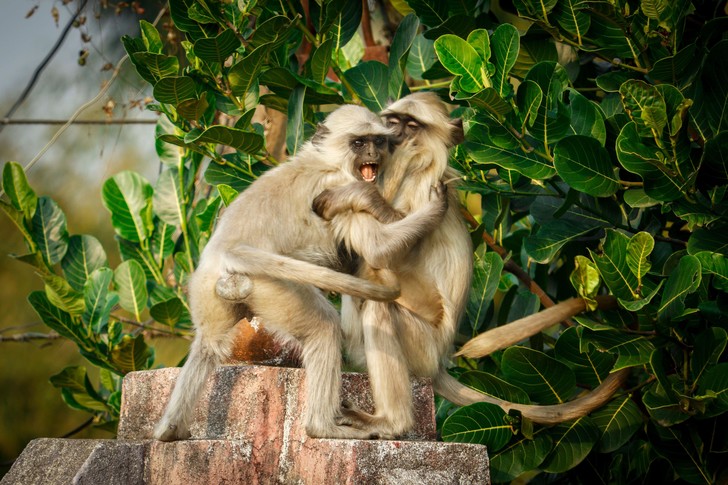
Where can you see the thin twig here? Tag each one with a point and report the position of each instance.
(27, 337)
(44, 63)
(79, 428)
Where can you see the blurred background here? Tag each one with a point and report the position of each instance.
(72, 172)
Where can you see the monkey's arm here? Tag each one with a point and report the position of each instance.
(380, 244)
(355, 197)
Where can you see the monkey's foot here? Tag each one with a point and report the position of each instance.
(165, 431)
(353, 416)
(234, 287)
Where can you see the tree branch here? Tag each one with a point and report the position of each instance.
(7, 121)
(30, 336)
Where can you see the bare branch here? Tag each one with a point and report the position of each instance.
(7, 121)
(30, 336)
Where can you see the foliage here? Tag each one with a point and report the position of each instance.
(596, 145)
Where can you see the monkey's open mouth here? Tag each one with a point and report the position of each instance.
(369, 171)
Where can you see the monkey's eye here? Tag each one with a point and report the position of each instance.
(392, 120)
(358, 143)
(413, 125)
(379, 141)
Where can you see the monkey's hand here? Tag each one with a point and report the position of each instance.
(354, 197)
(438, 197)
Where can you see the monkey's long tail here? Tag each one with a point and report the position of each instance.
(252, 261)
(448, 387)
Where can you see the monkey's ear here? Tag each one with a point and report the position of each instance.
(321, 132)
(457, 135)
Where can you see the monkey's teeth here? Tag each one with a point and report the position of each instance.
(369, 172)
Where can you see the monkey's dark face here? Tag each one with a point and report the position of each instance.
(404, 126)
(370, 152)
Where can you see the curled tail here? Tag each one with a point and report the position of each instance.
(252, 261)
(448, 387)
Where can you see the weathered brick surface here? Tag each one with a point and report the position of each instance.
(248, 430)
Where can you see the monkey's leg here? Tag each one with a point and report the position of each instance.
(302, 311)
(214, 318)
(388, 371)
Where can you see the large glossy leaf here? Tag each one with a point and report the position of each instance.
(169, 198)
(645, 106)
(61, 295)
(683, 450)
(272, 32)
(130, 282)
(430, 12)
(369, 81)
(683, 280)
(178, 10)
(715, 383)
(617, 422)
(244, 141)
(716, 265)
(552, 120)
(590, 366)
(217, 49)
(487, 99)
(76, 385)
(57, 319)
(643, 157)
(461, 59)
(98, 300)
(639, 248)
(613, 267)
(127, 195)
(421, 56)
(494, 386)
(174, 90)
(571, 17)
(544, 244)
(294, 124)
(572, 441)
(398, 51)
(529, 98)
(155, 66)
(84, 255)
(486, 275)
(342, 21)
(482, 423)
(585, 280)
(482, 147)
(16, 187)
(545, 379)
(664, 408)
(584, 164)
(631, 350)
(586, 118)
(536, 9)
(131, 354)
(49, 230)
(520, 456)
(243, 76)
(169, 312)
(709, 346)
(321, 61)
(505, 45)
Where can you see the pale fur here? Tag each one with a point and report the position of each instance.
(269, 226)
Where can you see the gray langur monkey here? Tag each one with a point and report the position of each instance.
(271, 234)
(413, 335)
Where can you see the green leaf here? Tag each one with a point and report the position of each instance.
(272, 32)
(645, 106)
(369, 81)
(169, 312)
(639, 248)
(169, 198)
(683, 450)
(342, 21)
(49, 230)
(590, 366)
(98, 300)
(617, 422)
(150, 37)
(519, 457)
(15, 185)
(421, 57)
(76, 385)
(543, 245)
(572, 19)
(57, 319)
(243, 76)
(174, 90)
(294, 127)
(482, 423)
(193, 109)
(716, 265)
(573, 441)
(585, 165)
(217, 49)
(613, 267)
(61, 294)
(586, 117)
(552, 121)
(486, 275)
(538, 9)
(482, 147)
(493, 386)
(715, 86)
(84, 255)
(632, 350)
(638, 199)
(505, 44)
(155, 66)
(715, 382)
(401, 43)
(244, 141)
(431, 13)
(128, 196)
(131, 354)
(178, 10)
(683, 280)
(528, 98)
(321, 61)
(585, 279)
(545, 379)
(487, 99)
(461, 59)
(130, 282)
(709, 346)
(664, 409)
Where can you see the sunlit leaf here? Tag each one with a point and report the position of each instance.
(127, 195)
(486, 274)
(15, 185)
(130, 282)
(545, 379)
(369, 81)
(49, 230)
(217, 49)
(482, 423)
(586, 166)
(461, 59)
